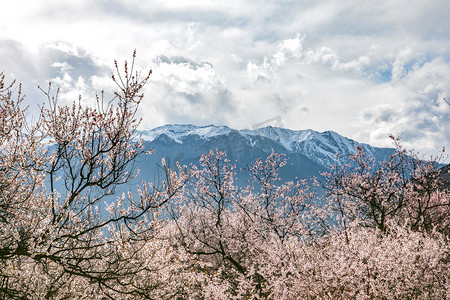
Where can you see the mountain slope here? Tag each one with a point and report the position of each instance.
(445, 177)
(309, 152)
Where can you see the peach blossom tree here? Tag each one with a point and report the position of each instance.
(65, 232)
(275, 240)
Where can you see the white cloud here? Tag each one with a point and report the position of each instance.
(422, 116)
(288, 50)
(184, 90)
(64, 47)
(364, 69)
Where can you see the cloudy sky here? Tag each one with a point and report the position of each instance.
(364, 69)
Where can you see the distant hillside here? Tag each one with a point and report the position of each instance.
(445, 176)
(309, 152)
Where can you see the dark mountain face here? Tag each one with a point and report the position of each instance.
(309, 153)
(238, 149)
(445, 176)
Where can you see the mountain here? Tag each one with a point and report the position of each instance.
(445, 177)
(309, 152)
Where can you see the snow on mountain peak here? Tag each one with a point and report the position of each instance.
(177, 132)
(320, 147)
(285, 137)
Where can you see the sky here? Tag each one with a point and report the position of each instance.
(364, 69)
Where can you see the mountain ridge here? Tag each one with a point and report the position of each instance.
(324, 148)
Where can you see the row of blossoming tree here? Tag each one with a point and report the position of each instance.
(363, 230)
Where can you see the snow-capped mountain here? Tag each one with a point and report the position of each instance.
(309, 152)
(324, 148)
(179, 132)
